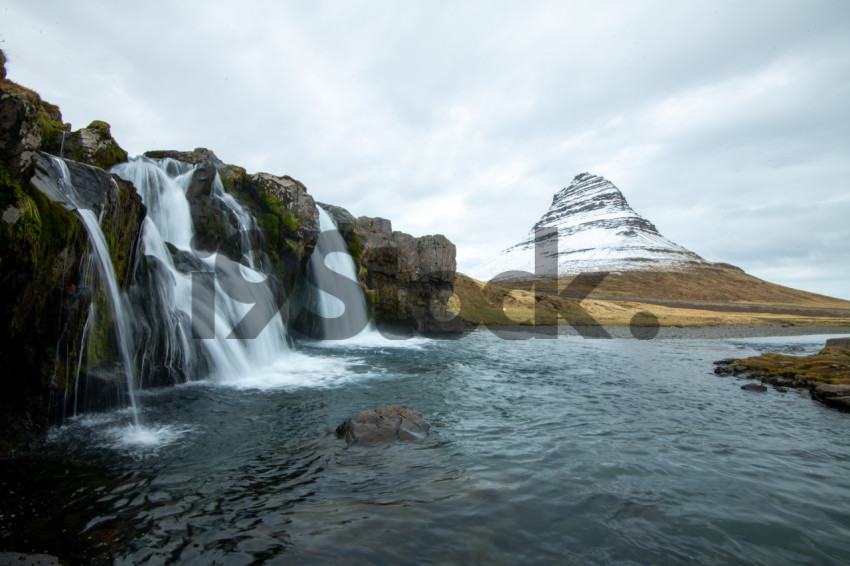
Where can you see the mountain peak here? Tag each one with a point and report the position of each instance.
(597, 231)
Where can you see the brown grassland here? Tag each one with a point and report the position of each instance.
(707, 296)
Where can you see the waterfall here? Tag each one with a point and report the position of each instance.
(340, 301)
(212, 315)
(118, 304)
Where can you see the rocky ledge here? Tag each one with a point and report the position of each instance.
(826, 374)
(408, 280)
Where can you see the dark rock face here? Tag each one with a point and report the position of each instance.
(836, 396)
(384, 426)
(20, 135)
(286, 216)
(42, 303)
(407, 279)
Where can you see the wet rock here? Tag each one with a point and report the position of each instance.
(754, 387)
(407, 278)
(27, 559)
(842, 403)
(725, 362)
(384, 426)
(824, 390)
(41, 253)
(838, 343)
(722, 370)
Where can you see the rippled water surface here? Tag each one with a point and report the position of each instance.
(566, 451)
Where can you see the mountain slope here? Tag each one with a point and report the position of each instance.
(597, 231)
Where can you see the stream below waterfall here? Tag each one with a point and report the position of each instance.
(567, 451)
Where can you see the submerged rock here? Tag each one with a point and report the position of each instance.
(384, 426)
(754, 387)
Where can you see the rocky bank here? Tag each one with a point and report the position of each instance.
(826, 374)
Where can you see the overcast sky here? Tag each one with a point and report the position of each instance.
(727, 124)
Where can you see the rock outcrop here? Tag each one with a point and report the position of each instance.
(93, 144)
(286, 216)
(408, 280)
(384, 426)
(42, 300)
(826, 374)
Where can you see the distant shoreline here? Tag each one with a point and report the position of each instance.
(687, 333)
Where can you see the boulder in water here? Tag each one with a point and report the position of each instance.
(384, 426)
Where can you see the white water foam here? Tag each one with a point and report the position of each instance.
(298, 370)
(148, 436)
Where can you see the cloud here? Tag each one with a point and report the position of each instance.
(726, 125)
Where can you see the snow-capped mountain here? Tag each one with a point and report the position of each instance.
(597, 231)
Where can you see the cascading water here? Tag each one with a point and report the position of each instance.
(194, 294)
(340, 300)
(117, 301)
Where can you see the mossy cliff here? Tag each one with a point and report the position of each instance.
(42, 302)
(408, 280)
(46, 286)
(286, 216)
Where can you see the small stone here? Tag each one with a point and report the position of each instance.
(754, 387)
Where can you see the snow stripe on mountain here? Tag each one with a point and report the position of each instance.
(597, 231)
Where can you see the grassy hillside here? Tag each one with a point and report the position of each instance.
(716, 282)
(719, 294)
